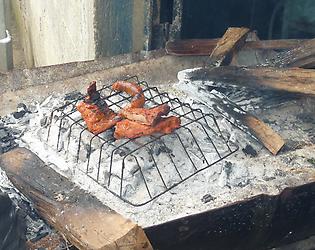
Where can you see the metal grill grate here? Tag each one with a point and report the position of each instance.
(140, 170)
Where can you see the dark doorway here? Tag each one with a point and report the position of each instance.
(271, 18)
(210, 18)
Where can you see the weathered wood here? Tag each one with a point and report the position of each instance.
(232, 40)
(264, 133)
(303, 56)
(261, 222)
(204, 47)
(85, 221)
(295, 80)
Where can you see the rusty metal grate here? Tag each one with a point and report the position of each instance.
(140, 170)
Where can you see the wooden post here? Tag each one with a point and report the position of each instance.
(6, 58)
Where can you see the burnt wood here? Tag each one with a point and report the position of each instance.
(232, 40)
(237, 116)
(294, 80)
(261, 222)
(204, 47)
(260, 130)
(79, 216)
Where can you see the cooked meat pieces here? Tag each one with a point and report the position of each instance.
(132, 89)
(146, 116)
(92, 94)
(131, 129)
(97, 120)
(95, 112)
(139, 121)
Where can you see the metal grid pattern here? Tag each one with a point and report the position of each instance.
(140, 170)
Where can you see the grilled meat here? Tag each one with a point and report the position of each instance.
(131, 129)
(97, 121)
(95, 112)
(146, 116)
(132, 89)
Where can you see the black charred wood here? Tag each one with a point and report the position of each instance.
(261, 222)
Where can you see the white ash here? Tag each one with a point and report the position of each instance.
(237, 178)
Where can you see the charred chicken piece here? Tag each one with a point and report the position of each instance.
(146, 116)
(132, 89)
(95, 112)
(131, 129)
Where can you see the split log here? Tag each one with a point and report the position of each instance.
(294, 80)
(232, 40)
(204, 47)
(303, 56)
(79, 216)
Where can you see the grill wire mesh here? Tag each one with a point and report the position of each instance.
(140, 170)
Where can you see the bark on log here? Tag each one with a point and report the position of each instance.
(232, 40)
(85, 221)
(294, 80)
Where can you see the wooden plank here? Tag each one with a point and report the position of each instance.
(303, 55)
(233, 39)
(79, 216)
(204, 47)
(294, 80)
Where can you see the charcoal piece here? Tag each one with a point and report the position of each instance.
(22, 106)
(250, 151)
(312, 161)
(73, 96)
(161, 149)
(21, 111)
(19, 114)
(207, 198)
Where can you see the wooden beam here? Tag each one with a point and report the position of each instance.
(79, 216)
(303, 55)
(232, 40)
(204, 47)
(294, 80)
